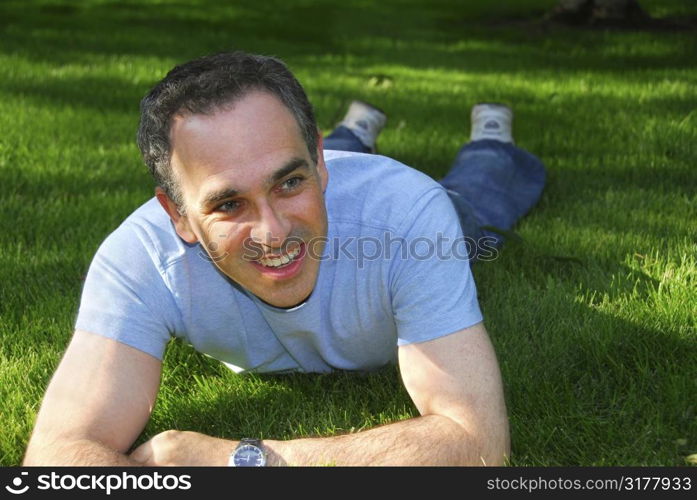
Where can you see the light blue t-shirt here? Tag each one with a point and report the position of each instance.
(394, 271)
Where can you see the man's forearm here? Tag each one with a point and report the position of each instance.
(81, 452)
(427, 440)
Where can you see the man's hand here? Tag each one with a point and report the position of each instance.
(183, 448)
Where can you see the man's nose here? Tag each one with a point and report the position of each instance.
(271, 228)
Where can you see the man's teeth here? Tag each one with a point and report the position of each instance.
(281, 260)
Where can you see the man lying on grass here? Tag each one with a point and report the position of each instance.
(253, 251)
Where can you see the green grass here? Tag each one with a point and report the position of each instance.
(592, 315)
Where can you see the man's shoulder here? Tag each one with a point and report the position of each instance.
(147, 230)
(373, 189)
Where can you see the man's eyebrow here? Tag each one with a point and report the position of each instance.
(293, 164)
(215, 197)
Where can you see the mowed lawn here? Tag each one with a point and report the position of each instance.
(592, 312)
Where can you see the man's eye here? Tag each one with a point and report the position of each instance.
(292, 183)
(228, 206)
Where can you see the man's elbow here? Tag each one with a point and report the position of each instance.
(486, 454)
(39, 452)
(495, 458)
(496, 448)
(485, 445)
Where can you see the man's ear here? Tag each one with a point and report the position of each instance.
(181, 223)
(321, 166)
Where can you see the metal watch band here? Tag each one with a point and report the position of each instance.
(255, 442)
(244, 442)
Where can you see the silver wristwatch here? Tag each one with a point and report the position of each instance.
(248, 453)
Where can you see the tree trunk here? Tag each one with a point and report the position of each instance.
(604, 12)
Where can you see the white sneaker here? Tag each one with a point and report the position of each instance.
(365, 121)
(492, 121)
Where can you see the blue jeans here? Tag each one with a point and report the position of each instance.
(492, 184)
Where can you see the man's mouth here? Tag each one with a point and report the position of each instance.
(283, 266)
(280, 261)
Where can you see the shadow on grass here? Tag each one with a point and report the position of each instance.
(588, 385)
(612, 392)
(203, 395)
(441, 37)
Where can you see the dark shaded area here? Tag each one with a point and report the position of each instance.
(607, 13)
(284, 401)
(602, 387)
(76, 32)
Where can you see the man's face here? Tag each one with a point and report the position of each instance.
(252, 195)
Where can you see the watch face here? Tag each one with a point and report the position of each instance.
(249, 455)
